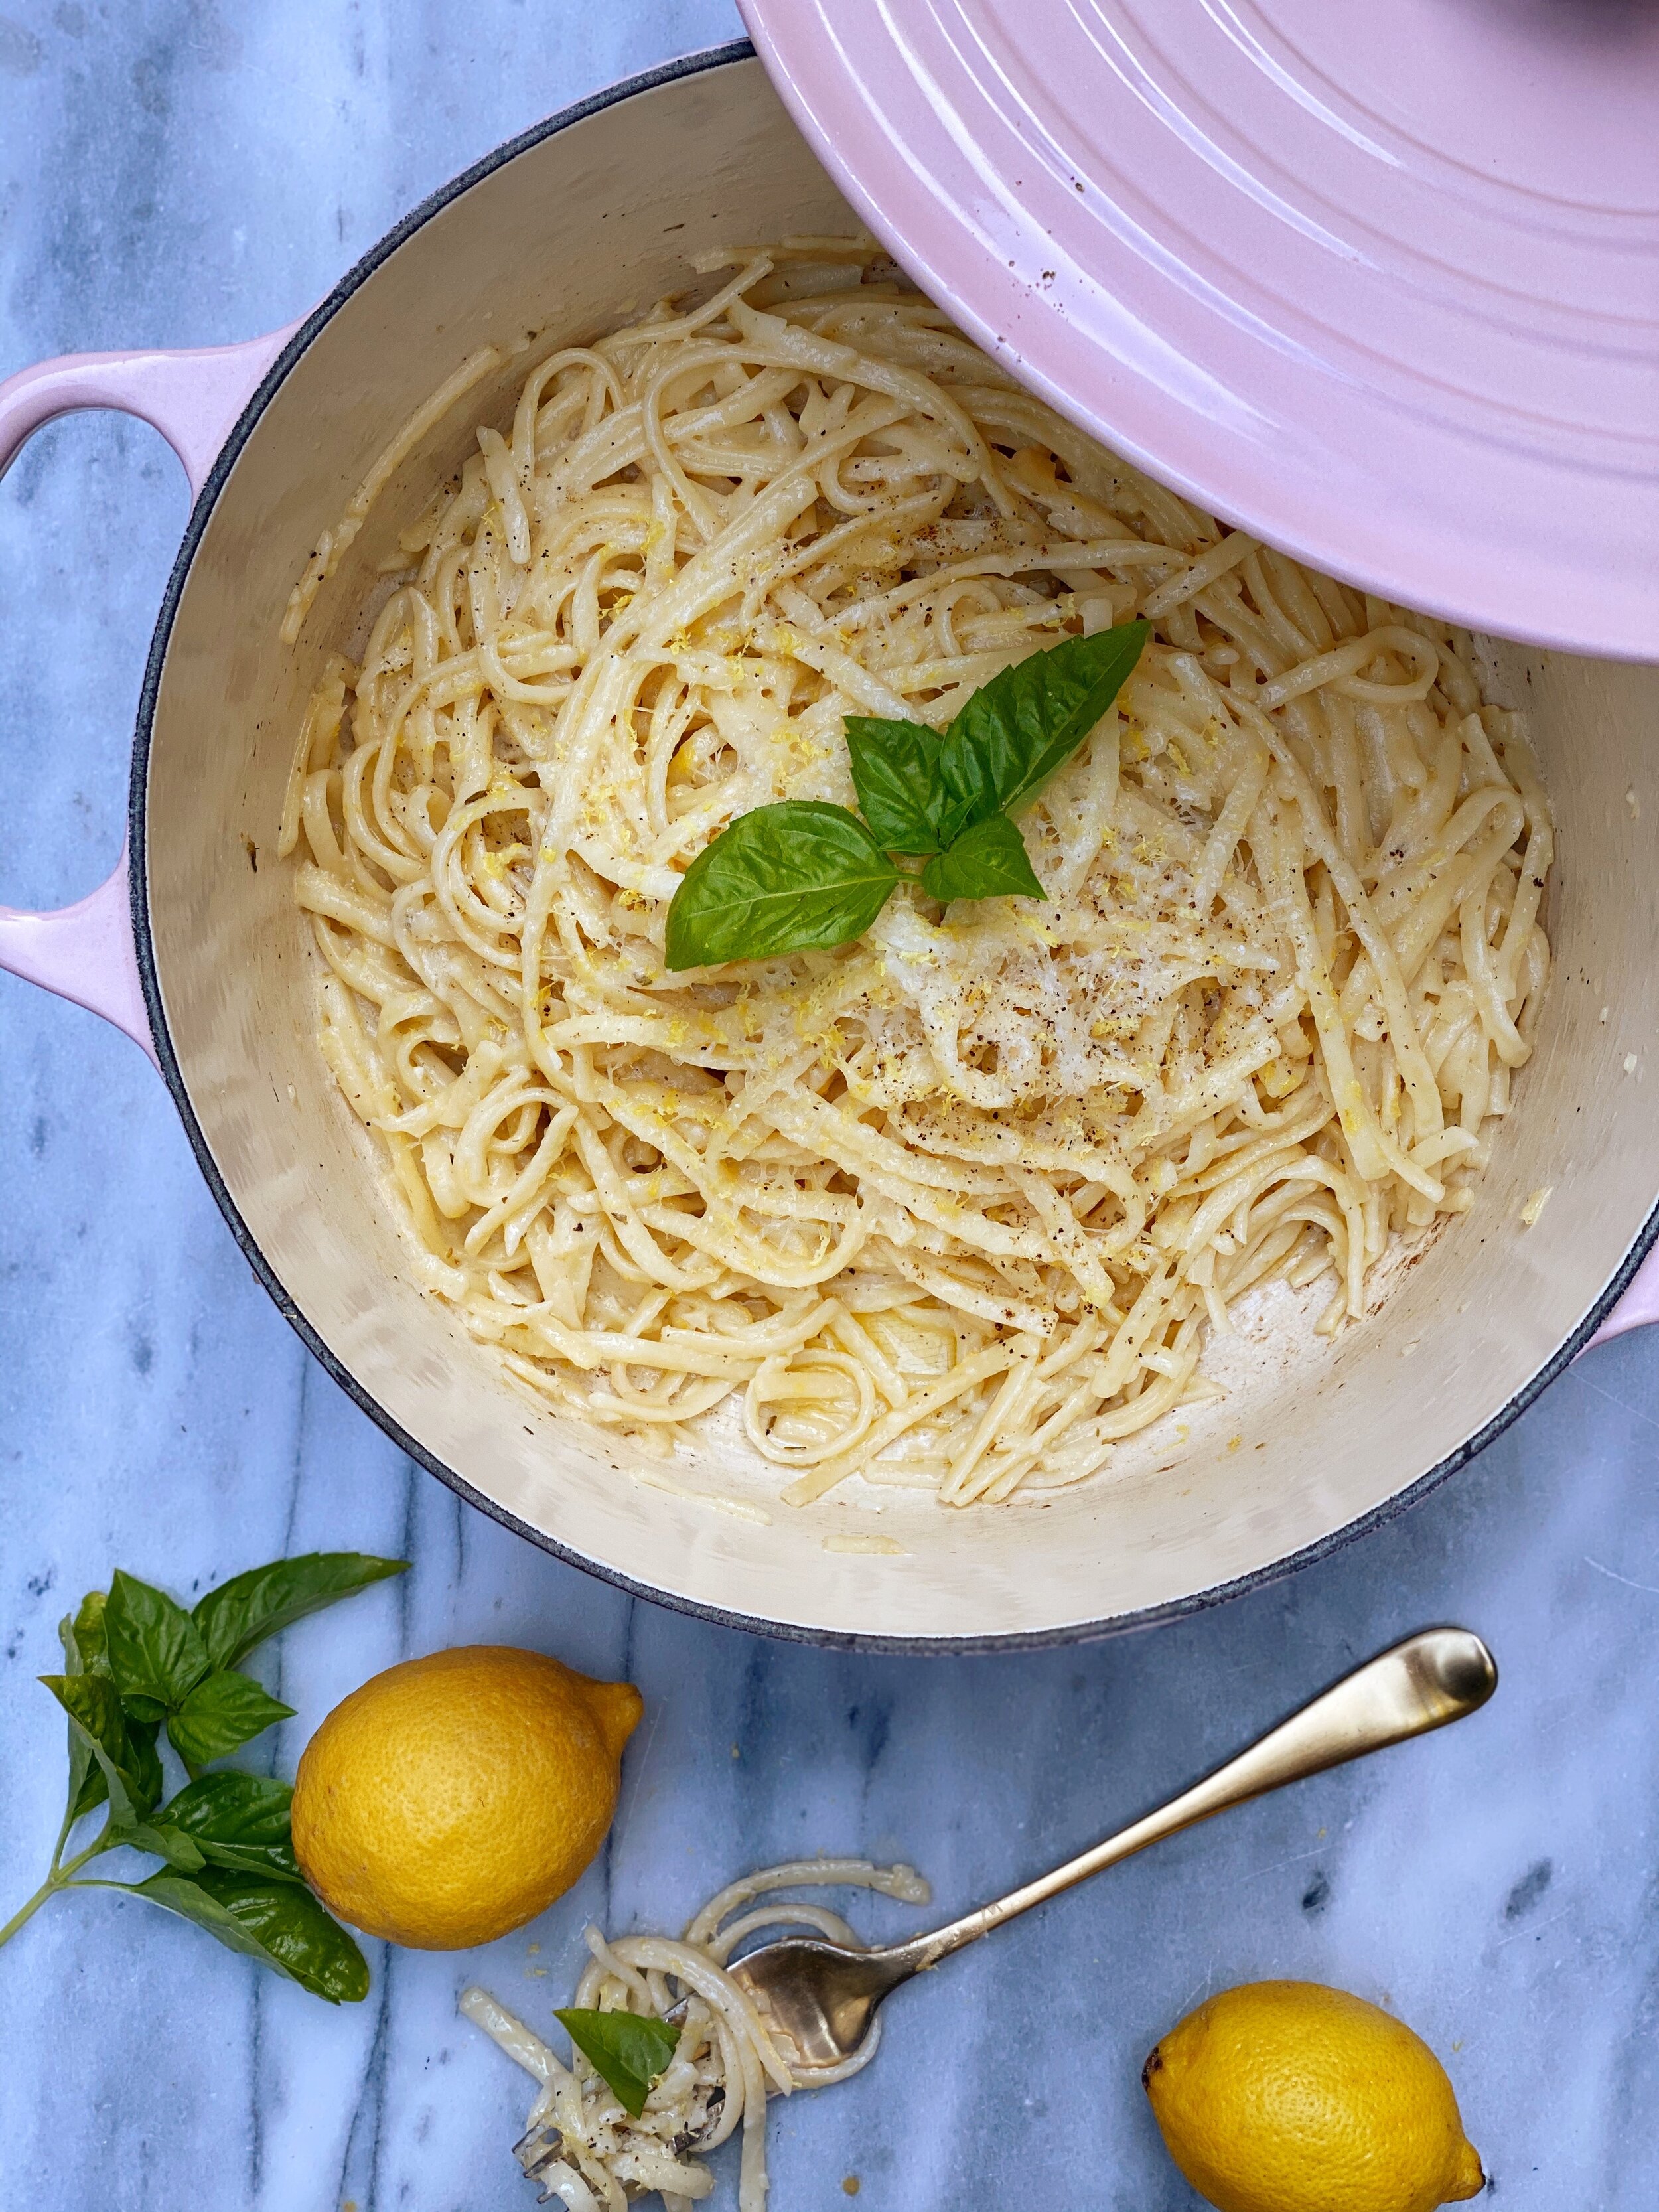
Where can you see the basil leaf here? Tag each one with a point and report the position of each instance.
(182, 1894)
(221, 1713)
(167, 1842)
(85, 1651)
(88, 1789)
(282, 1927)
(269, 1862)
(87, 1786)
(896, 773)
(251, 1607)
(297, 1934)
(239, 1820)
(780, 880)
(90, 1639)
(229, 1807)
(156, 1654)
(987, 861)
(627, 2050)
(95, 1712)
(146, 1760)
(1022, 725)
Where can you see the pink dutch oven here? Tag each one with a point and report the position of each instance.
(194, 949)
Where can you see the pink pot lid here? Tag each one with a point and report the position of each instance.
(1380, 283)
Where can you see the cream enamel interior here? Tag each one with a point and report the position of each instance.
(560, 240)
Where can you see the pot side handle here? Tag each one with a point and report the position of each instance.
(85, 952)
(1637, 1307)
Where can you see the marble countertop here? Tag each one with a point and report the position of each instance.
(176, 171)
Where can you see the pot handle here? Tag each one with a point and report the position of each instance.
(85, 952)
(1637, 1307)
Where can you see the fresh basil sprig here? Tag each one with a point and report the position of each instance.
(630, 2051)
(134, 1662)
(805, 875)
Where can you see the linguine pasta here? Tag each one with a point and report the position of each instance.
(580, 2143)
(953, 1206)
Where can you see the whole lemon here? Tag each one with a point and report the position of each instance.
(453, 1797)
(1287, 2097)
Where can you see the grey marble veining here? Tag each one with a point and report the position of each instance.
(172, 171)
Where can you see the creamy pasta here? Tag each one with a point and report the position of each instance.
(580, 2143)
(954, 1206)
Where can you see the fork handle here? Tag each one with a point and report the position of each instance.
(1433, 1678)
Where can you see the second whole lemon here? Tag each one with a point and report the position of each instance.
(453, 1797)
(1290, 2097)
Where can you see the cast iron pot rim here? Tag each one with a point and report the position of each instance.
(738, 49)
